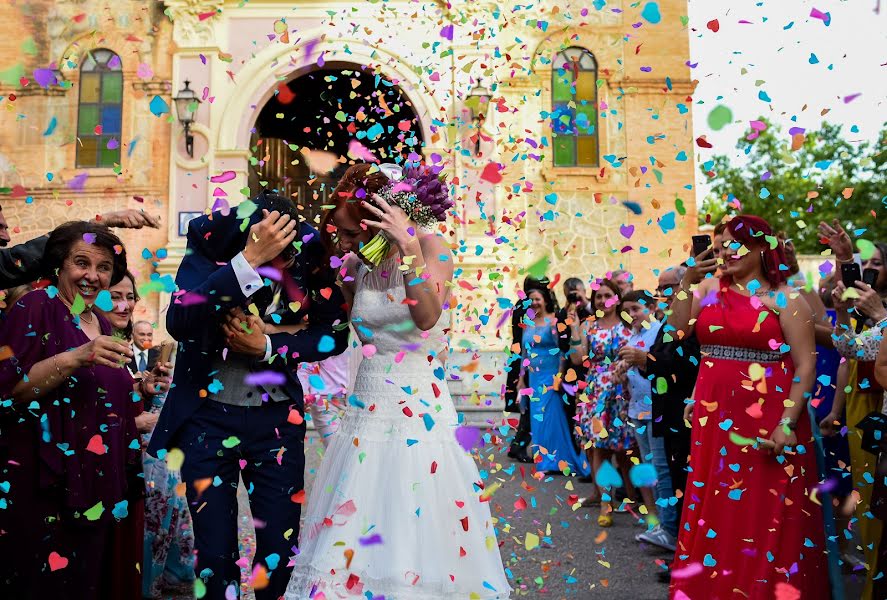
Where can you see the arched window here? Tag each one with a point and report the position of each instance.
(574, 109)
(100, 109)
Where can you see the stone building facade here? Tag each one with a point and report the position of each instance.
(565, 127)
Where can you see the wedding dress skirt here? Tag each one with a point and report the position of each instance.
(397, 508)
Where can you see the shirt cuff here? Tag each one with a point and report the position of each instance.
(250, 282)
(268, 350)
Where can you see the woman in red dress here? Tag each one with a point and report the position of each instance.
(750, 528)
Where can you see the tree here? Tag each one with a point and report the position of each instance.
(822, 178)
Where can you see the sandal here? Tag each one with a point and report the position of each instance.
(605, 520)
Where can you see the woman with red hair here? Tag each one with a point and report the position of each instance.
(749, 527)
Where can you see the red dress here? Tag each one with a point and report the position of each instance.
(749, 528)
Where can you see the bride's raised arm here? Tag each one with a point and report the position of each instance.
(427, 278)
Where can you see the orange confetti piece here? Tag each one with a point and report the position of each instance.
(298, 497)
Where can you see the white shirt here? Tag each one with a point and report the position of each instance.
(250, 282)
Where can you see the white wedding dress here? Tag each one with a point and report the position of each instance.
(395, 509)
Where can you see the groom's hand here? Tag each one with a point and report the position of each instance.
(268, 238)
(244, 334)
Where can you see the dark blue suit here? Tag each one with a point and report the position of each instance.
(222, 442)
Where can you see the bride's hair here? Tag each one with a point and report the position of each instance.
(356, 184)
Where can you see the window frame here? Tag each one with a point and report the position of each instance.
(100, 62)
(567, 56)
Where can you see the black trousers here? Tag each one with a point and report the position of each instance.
(677, 452)
(522, 437)
(221, 444)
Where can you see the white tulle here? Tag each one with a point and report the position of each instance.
(396, 508)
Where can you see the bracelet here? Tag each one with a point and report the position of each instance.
(788, 422)
(881, 323)
(844, 262)
(575, 342)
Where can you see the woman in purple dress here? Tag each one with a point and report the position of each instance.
(69, 449)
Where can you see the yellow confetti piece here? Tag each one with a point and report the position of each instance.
(531, 541)
(174, 459)
(756, 372)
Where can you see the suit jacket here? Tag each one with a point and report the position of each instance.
(21, 263)
(153, 355)
(677, 363)
(514, 365)
(208, 289)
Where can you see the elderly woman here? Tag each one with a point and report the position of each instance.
(169, 536)
(69, 450)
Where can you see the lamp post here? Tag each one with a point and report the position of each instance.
(482, 95)
(186, 106)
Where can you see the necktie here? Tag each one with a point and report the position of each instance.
(143, 361)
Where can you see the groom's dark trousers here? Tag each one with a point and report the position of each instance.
(229, 413)
(271, 477)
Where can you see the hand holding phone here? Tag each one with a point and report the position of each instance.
(850, 274)
(166, 349)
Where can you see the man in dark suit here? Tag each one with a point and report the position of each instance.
(236, 406)
(672, 364)
(144, 354)
(574, 292)
(21, 263)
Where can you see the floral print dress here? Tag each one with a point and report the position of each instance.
(603, 413)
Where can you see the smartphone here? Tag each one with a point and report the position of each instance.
(701, 243)
(850, 274)
(166, 349)
(572, 297)
(870, 276)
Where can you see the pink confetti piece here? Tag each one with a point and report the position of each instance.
(224, 177)
(851, 98)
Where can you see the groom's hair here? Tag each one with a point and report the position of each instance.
(271, 202)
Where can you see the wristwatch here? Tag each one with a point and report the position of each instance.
(788, 422)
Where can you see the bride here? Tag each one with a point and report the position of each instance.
(397, 507)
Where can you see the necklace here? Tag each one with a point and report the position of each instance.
(84, 319)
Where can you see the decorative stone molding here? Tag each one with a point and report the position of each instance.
(155, 86)
(189, 30)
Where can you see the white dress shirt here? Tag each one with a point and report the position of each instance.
(250, 282)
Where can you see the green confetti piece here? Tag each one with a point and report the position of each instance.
(866, 249)
(29, 46)
(94, 513)
(679, 206)
(739, 440)
(12, 75)
(231, 442)
(719, 117)
(538, 269)
(661, 385)
(246, 209)
(78, 306)
(199, 588)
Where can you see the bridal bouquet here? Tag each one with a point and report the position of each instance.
(421, 192)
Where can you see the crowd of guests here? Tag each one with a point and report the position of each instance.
(736, 387)
(85, 511)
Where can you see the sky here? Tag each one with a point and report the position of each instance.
(777, 48)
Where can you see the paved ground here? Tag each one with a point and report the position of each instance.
(574, 558)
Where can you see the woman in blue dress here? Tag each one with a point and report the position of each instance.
(541, 363)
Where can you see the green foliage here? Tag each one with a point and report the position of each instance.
(795, 190)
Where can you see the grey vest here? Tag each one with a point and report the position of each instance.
(231, 373)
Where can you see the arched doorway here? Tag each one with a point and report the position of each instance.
(325, 110)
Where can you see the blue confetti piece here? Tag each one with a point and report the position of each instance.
(643, 475)
(634, 207)
(607, 476)
(53, 122)
(429, 422)
(121, 510)
(762, 95)
(158, 106)
(272, 560)
(667, 222)
(651, 13)
(326, 344)
(412, 442)
(709, 561)
(103, 301)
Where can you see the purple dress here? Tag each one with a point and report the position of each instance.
(70, 463)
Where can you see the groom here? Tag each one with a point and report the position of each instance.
(235, 407)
